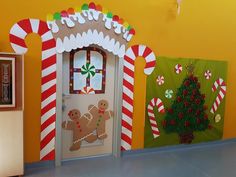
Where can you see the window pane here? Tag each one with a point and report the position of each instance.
(96, 59)
(79, 81)
(79, 59)
(96, 81)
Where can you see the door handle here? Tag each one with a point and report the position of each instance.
(66, 96)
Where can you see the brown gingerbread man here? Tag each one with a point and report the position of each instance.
(81, 131)
(99, 117)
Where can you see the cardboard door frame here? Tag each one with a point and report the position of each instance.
(116, 150)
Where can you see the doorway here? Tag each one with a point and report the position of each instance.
(90, 77)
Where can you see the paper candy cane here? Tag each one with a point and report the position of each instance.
(18, 34)
(160, 107)
(128, 88)
(220, 96)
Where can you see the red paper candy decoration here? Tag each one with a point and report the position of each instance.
(99, 8)
(186, 83)
(198, 112)
(115, 18)
(198, 120)
(179, 99)
(180, 115)
(71, 11)
(186, 103)
(197, 101)
(192, 97)
(121, 21)
(64, 14)
(132, 31)
(164, 123)
(190, 110)
(185, 92)
(172, 122)
(186, 123)
(170, 111)
(92, 5)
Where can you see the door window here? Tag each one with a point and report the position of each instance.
(87, 71)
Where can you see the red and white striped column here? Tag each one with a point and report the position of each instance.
(128, 88)
(18, 34)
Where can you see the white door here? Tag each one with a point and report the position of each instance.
(88, 102)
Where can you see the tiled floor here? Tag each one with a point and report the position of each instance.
(210, 161)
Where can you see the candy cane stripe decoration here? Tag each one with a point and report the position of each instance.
(128, 88)
(219, 82)
(159, 104)
(18, 34)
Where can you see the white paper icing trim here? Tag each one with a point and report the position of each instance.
(88, 38)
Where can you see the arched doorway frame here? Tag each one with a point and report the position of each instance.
(51, 49)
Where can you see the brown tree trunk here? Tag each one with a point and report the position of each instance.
(186, 138)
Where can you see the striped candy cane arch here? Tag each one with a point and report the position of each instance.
(128, 88)
(18, 33)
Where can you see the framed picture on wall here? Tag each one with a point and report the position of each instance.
(7, 82)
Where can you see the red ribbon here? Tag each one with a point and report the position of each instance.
(101, 111)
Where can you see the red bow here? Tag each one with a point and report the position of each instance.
(101, 111)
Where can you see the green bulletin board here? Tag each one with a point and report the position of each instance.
(164, 83)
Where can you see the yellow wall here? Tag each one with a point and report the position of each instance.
(205, 29)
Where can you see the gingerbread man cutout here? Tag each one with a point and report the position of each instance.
(99, 117)
(81, 131)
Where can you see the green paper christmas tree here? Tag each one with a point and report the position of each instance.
(187, 113)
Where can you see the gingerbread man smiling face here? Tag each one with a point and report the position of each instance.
(102, 106)
(74, 114)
